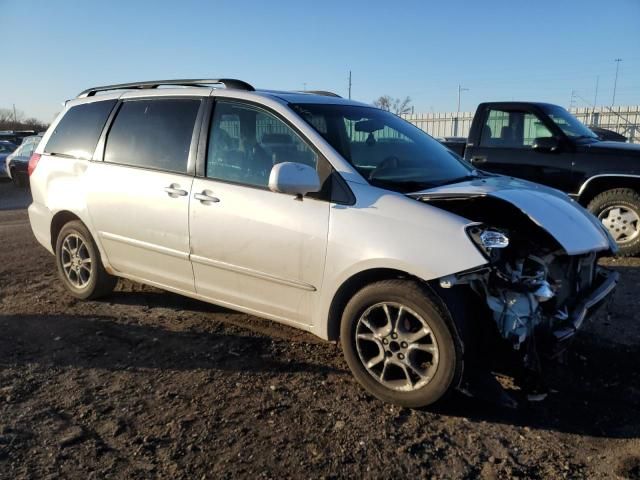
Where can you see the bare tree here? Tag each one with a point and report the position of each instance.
(17, 121)
(395, 105)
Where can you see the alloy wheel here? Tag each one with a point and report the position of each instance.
(622, 222)
(396, 346)
(76, 260)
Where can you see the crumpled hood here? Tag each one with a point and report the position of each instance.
(573, 227)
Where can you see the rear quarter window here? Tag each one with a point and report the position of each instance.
(154, 133)
(77, 133)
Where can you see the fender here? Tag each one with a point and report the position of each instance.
(584, 186)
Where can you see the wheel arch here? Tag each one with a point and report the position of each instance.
(601, 183)
(361, 279)
(59, 220)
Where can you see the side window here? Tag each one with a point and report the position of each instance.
(77, 133)
(245, 143)
(512, 129)
(153, 133)
(497, 131)
(534, 128)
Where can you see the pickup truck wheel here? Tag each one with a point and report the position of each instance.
(79, 263)
(619, 212)
(399, 343)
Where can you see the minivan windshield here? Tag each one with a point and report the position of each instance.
(386, 150)
(570, 125)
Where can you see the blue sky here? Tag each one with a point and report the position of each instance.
(498, 49)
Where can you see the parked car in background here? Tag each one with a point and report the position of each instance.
(16, 136)
(6, 148)
(16, 163)
(322, 213)
(544, 143)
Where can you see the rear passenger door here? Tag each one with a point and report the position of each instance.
(138, 196)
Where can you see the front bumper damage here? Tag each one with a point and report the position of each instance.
(602, 290)
(541, 280)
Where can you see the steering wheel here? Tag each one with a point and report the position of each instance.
(389, 162)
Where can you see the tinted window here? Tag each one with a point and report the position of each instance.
(78, 132)
(512, 129)
(245, 143)
(153, 133)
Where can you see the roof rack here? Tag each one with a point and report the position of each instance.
(227, 82)
(324, 93)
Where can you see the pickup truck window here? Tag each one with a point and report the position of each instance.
(512, 129)
(570, 125)
(388, 151)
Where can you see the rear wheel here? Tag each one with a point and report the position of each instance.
(79, 264)
(619, 212)
(400, 343)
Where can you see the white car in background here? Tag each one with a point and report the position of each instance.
(16, 163)
(322, 213)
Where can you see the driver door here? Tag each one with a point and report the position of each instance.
(506, 147)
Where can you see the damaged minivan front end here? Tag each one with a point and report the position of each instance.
(542, 278)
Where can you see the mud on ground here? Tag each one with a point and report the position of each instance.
(147, 384)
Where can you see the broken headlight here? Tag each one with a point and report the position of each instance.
(487, 239)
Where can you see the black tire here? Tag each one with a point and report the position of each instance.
(98, 282)
(420, 300)
(622, 197)
(18, 179)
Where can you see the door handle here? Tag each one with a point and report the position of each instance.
(204, 197)
(174, 191)
(479, 159)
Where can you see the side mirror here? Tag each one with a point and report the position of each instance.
(293, 178)
(546, 144)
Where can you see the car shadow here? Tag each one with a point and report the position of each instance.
(99, 342)
(596, 392)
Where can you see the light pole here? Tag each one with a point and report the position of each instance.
(615, 82)
(455, 126)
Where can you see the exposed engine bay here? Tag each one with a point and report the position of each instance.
(536, 293)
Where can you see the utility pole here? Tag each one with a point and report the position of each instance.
(595, 101)
(304, 87)
(573, 96)
(455, 126)
(615, 82)
(15, 118)
(349, 84)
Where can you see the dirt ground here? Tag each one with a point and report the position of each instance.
(146, 384)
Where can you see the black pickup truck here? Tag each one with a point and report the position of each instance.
(544, 143)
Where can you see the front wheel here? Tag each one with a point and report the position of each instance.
(400, 344)
(79, 264)
(619, 212)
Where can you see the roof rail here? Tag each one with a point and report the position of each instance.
(227, 82)
(324, 93)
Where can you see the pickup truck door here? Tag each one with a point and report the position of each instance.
(505, 147)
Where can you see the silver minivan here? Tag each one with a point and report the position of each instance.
(325, 214)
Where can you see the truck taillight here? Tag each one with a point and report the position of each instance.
(33, 163)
